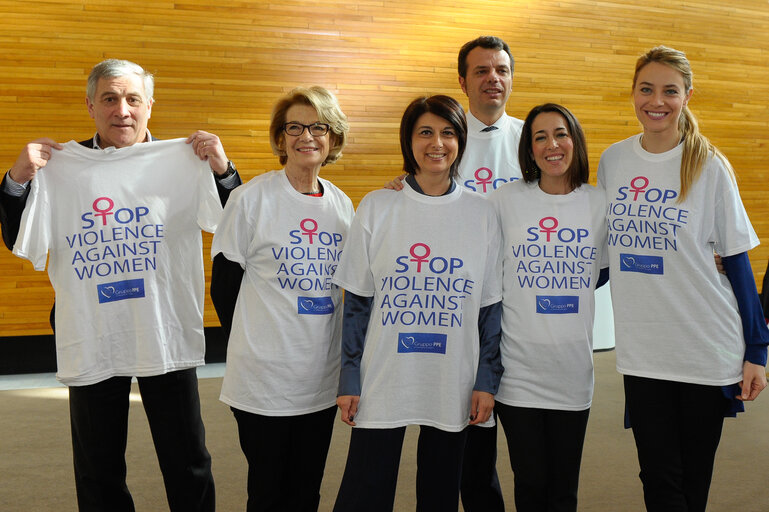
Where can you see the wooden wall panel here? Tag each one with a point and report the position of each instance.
(221, 67)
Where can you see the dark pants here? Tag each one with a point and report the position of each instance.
(677, 428)
(545, 447)
(99, 422)
(286, 457)
(480, 487)
(373, 460)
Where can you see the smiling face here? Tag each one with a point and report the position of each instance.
(659, 96)
(434, 144)
(120, 110)
(488, 82)
(305, 151)
(552, 149)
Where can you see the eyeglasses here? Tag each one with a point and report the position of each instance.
(315, 129)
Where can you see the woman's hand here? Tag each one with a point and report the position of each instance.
(348, 405)
(753, 381)
(396, 184)
(481, 406)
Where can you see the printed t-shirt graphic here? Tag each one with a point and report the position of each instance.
(430, 263)
(121, 229)
(553, 250)
(490, 158)
(284, 350)
(654, 243)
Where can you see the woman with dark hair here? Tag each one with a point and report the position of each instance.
(553, 234)
(691, 343)
(420, 342)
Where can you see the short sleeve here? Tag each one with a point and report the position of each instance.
(209, 206)
(732, 231)
(492, 280)
(354, 271)
(234, 233)
(34, 238)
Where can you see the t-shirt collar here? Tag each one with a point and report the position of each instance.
(95, 143)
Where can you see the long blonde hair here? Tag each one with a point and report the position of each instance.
(697, 148)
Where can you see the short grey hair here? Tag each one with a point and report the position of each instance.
(114, 68)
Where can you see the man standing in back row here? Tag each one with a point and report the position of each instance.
(485, 68)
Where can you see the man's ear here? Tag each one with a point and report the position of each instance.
(89, 105)
(462, 84)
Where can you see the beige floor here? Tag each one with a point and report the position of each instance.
(36, 474)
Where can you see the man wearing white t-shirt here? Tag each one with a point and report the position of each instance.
(485, 67)
(98, 373)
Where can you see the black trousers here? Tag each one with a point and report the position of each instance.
(480, 489)
(677, 428)
(545, 447)
(371, 473)
(99, 422)
(286, 457)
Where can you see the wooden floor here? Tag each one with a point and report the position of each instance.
(36, 468)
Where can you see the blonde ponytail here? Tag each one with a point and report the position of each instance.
(696, 151)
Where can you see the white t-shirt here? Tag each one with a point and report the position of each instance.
(284, 350)
(553, 246)
(675, 316)
(430, 264)
(490, 158)
(121, 228)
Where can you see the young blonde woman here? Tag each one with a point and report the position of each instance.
(691, 343)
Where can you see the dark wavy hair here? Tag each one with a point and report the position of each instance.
(442, 106)
(579, 170)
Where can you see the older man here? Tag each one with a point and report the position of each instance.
(120, 315)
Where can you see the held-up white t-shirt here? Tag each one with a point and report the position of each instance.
(430, 264)
(553, 246)
(284, 350)
(490, 158)
(121, 229)
(675, 316)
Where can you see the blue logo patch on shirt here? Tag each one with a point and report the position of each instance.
(640, 263)
(433, 343)
(315, 305)
(557, 304)
(120, 290)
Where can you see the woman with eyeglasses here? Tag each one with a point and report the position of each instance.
(277, 248)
